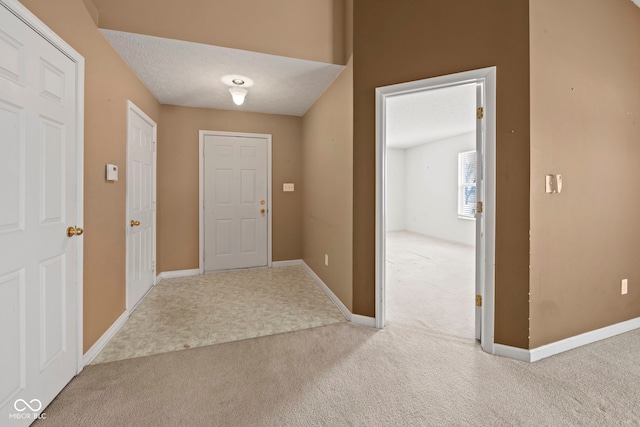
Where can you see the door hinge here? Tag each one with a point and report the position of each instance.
(479, 208)
(153, 265)
(478, 300)
(480, 112)
(154, 146)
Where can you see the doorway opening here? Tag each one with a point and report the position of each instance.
(435, 209)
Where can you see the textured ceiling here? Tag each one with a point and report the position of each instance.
(430, 115)
(189, 74)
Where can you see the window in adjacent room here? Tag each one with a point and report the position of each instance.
(467, 175)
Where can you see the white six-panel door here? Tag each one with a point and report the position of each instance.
(38, 202)
(235, 202)
(140, 205)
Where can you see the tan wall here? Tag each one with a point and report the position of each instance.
(327, 135)
(585, 121)
(178, 180)
(309, 29)
(108, 84)
(396, 42)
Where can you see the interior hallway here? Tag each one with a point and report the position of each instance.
(221, 307)
(431, 284)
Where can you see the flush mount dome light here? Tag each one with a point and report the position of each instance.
(239, 85)
(238, 92)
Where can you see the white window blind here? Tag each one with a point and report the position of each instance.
(467, 175)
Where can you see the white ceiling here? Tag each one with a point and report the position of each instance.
(189, 74)
(430, 115)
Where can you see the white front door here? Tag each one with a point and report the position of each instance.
(235, 202)
(39, 197)
(141, 201)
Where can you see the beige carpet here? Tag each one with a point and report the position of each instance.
(345, 375)
(418, 371)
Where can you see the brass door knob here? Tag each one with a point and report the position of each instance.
(135, 223)
(261, 211)
(73, 231)
(262, 202)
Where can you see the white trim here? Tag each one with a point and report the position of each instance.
(567, 344)
(134, 109)
(343, 308)
(45, 32)
(363, 320)
(512, 352)
(486, 77)
(105, 338)
(178, 273)
(276, 264)
(201, 136)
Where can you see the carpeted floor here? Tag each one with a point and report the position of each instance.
(415, 372)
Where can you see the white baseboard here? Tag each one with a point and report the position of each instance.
(512, 352)
(584, 339)
(177, 273)
(276, 264)
(363, 320)
(104, 339)
(343, 308)
(567, 344)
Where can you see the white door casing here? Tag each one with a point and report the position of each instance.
(235, 201)
(485, 228)
(480, 241)
(141, 204)
(41, 163)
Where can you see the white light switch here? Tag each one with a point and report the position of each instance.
(287, 187)
(112, 172)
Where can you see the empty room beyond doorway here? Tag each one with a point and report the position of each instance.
(430, 180)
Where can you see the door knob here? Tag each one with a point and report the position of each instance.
(73, 231)
(135, 223)
(261, 211)
(262, 202)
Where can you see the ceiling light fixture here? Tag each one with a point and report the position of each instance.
(238, 92)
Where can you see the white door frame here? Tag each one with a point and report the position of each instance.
(487, 78)
(45, 32)
(264, 136)
(133, 109)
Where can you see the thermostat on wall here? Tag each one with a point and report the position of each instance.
(112, 172)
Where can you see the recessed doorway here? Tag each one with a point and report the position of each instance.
(436, 186)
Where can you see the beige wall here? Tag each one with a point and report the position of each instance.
(178, 180)
(585, 122)
(396, 42)
(309, 29)
(327, 135)
(108, 84)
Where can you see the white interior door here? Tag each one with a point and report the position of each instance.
(235, 202)
(141, 201)
(480, 241)
(38, 201)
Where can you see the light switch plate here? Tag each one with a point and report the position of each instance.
(287, 187)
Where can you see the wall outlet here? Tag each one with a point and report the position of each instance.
(288, 187)
(623, 286)
(326, 260)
